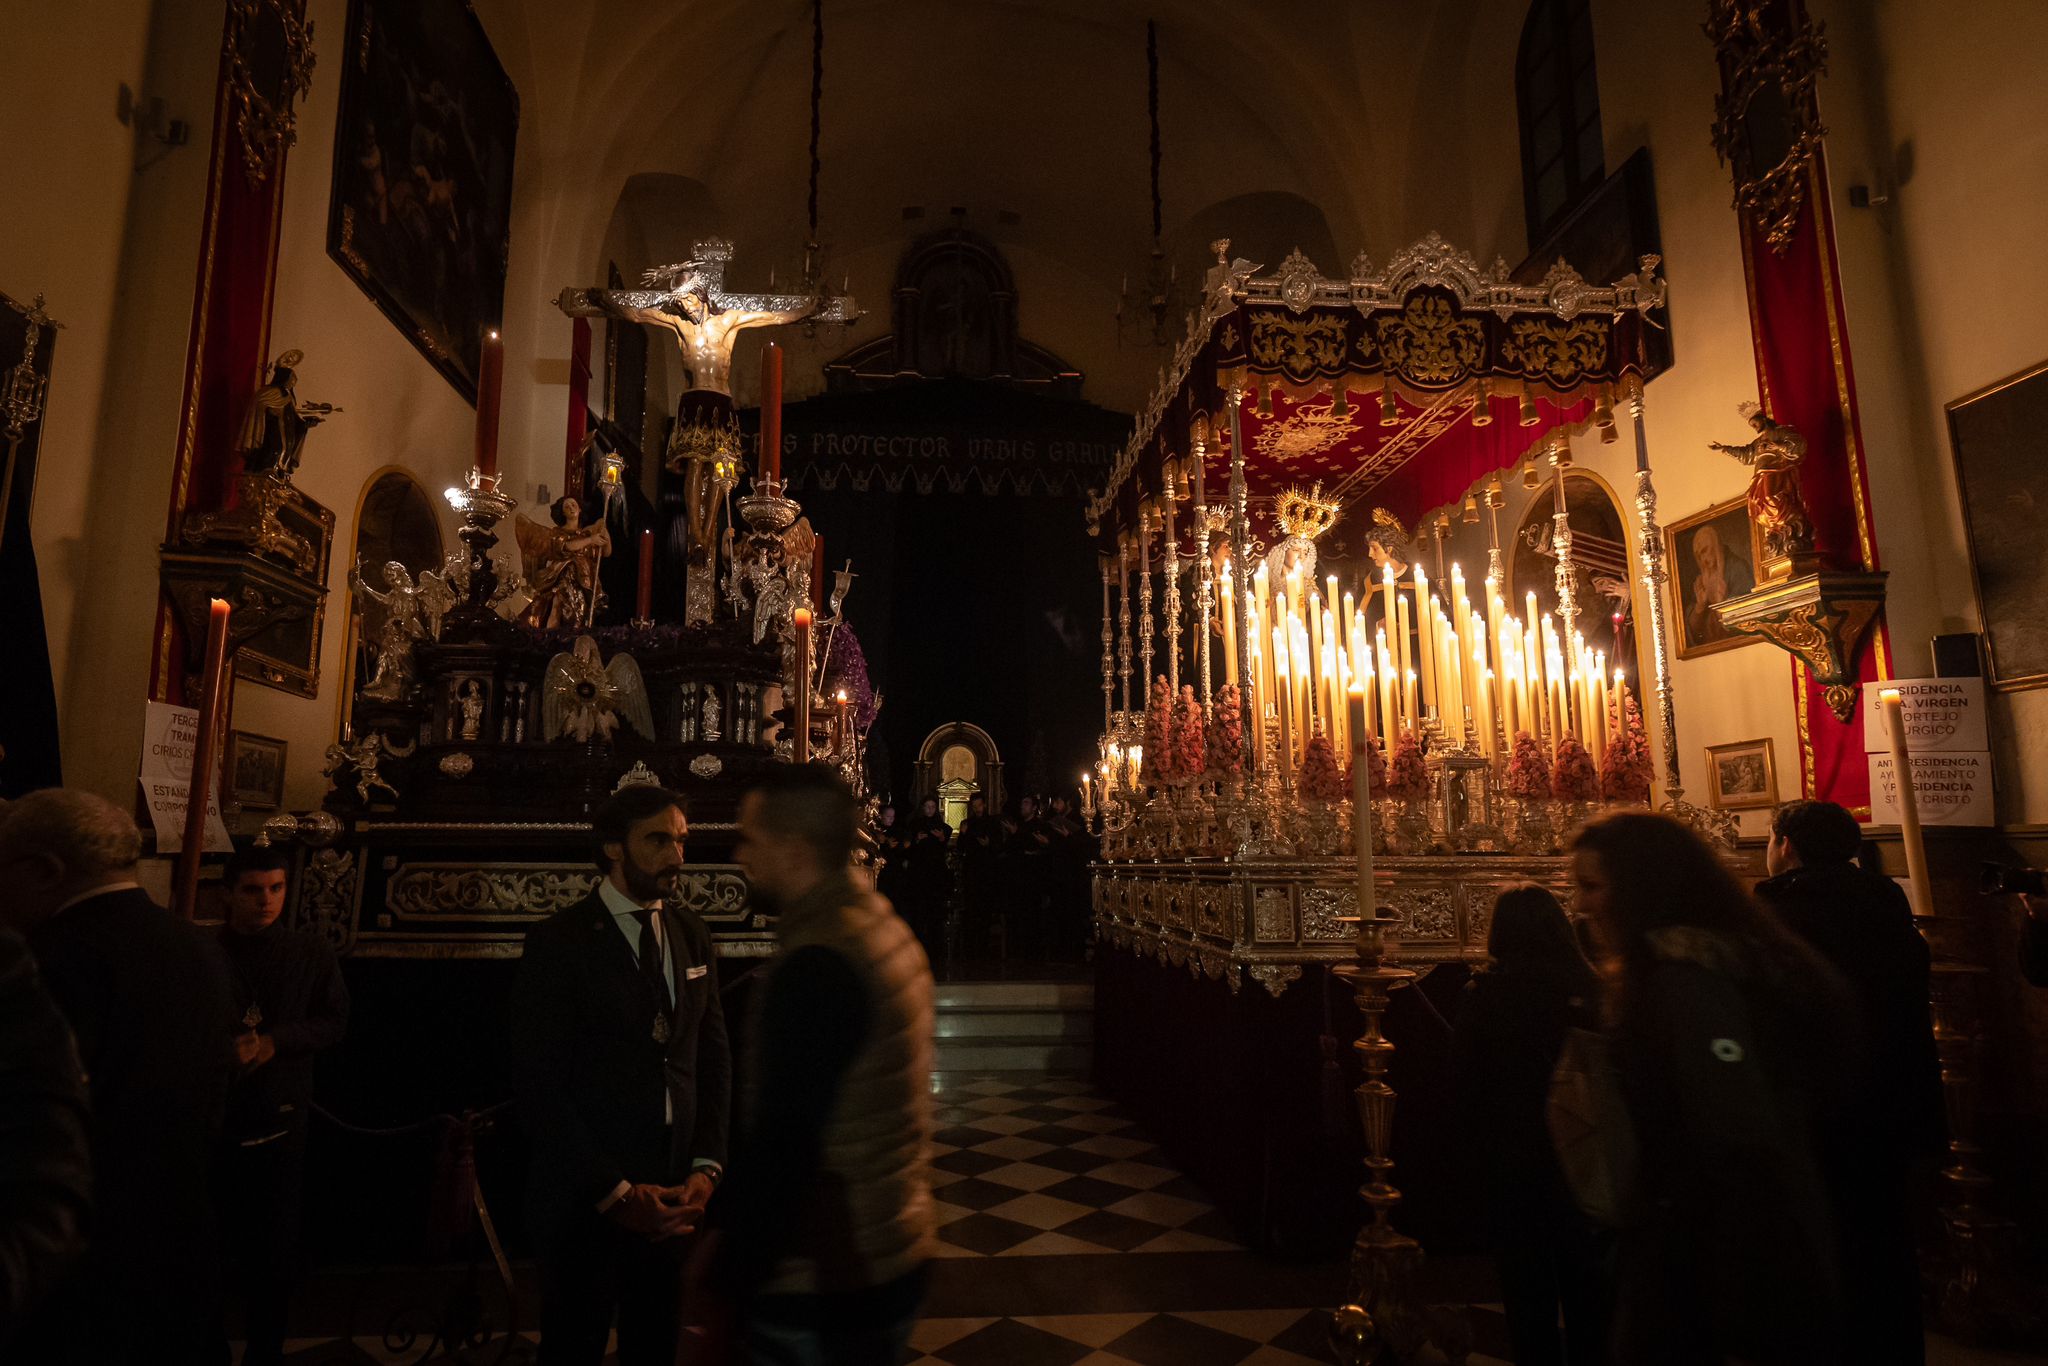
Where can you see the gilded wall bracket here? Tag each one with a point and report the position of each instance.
(1823, 617)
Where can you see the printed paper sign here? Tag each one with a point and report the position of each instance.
(1951, 789)
(169, 736)
(1940, 714)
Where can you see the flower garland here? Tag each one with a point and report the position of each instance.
(1224, 738)
(1407, 776)
(1375, 770)
(1321, 778)
(1153, 766)
(1528, 774)
(1626, 777)
(1190, 750)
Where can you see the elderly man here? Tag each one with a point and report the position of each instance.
(827, 1223)
(147, 999)
(624, 1080)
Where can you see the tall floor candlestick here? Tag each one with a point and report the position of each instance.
(490, 383)
(801, 750)
(199, 792)
(1909, 801)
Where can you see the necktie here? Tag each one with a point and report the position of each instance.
(650, 959)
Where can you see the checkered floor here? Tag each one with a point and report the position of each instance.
(1042, 1167)
(1276, 1337)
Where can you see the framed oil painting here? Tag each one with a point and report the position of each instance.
(420, 213)
(256, 770)
(1742, 777)
(1711, 556)
(1997, 436)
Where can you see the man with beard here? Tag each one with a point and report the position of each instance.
(820, 1240)
(624, 1081)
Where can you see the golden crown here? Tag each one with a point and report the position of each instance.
(1307, 515)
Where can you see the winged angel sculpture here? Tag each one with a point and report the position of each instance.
(584, 699)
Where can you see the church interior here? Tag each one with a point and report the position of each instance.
(1262, 512)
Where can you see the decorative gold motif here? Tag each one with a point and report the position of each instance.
(1322, 909)
(526, 891)
(1767, 126)
(261, 521)
(1305, 515)
(1275, 977)
(1310, 429)
(270, 65)
(1822, 617)
(1429, 344)
(1298, 281)
(327, 897)
(1301, 347)
(1272, 918)
(1557, 351)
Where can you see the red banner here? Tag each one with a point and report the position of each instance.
(1805, 380)
(229, 342)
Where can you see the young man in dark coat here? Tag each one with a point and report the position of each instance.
(624, 1081)
(1861, 923)
(291, 1005)
(45, 1166)
(146, 996)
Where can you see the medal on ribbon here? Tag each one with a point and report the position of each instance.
(660, 1027)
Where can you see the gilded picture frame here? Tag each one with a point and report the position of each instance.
(1995, 444)
(1742, 776)
(420, 209)
(256, 770)
(1695, 631)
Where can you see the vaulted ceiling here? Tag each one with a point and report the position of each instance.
(1335, 125)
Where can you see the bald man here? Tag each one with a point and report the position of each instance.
(148, 1001)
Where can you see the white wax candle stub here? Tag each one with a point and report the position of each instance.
(1940, 714)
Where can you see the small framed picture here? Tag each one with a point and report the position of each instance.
(1712, 556)
(1742, 777)
(256, 770)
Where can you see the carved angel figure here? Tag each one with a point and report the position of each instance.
(1775, 502)
(362, 755)
(440, 589)
(584, 698)
(560, 563)
(403, 626)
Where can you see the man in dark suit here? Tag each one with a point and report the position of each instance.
(45, 1166)
(146, 996)
(1894, 1121)
(624, 1080)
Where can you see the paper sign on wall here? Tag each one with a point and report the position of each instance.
(169, 735)
(1950, 789)
(1940, 714)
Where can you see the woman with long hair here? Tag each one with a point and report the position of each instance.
(1553, 1262)
(1728, 1036)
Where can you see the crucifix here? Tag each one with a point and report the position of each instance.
(690, 300)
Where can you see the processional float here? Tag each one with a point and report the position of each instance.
(1328, 777)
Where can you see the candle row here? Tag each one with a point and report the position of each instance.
(1481, 673)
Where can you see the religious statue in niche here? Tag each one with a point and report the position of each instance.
(273, 434)
(1389, 544)
(403, 627)
(470, 698)
(561, 564)
(585, 698)
(1776, 505)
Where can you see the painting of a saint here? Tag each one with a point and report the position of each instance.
(1712, 557)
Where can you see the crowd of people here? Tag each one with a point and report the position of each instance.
(1022, 878)
(1701, 1146)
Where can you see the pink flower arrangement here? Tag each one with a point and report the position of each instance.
(1626, 775)
(1224, 738)
(1321, 778)
(1528, 774)
(1573, 778)
(1190, 756)
(1153, 769)
(1375, 770)
(1407, 777)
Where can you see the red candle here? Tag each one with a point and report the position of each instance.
(771, 412)
(643, 604)
(490, 377)
(205, 753)
(802, 618)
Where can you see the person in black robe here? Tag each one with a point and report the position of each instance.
(1029, 918)
(930, 876)
(892, 844)
(981, 845)
(45, 1165)
(291, 1005)
(1555, 1273)
(147, 999)
(1894, 1123)
(1072, 851)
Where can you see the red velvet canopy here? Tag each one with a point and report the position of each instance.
(1398, 388)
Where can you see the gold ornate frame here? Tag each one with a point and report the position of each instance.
(267, 119)
(1762, 61)
(1719, 800)
(1674, 532)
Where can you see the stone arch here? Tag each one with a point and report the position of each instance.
(943, 745)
